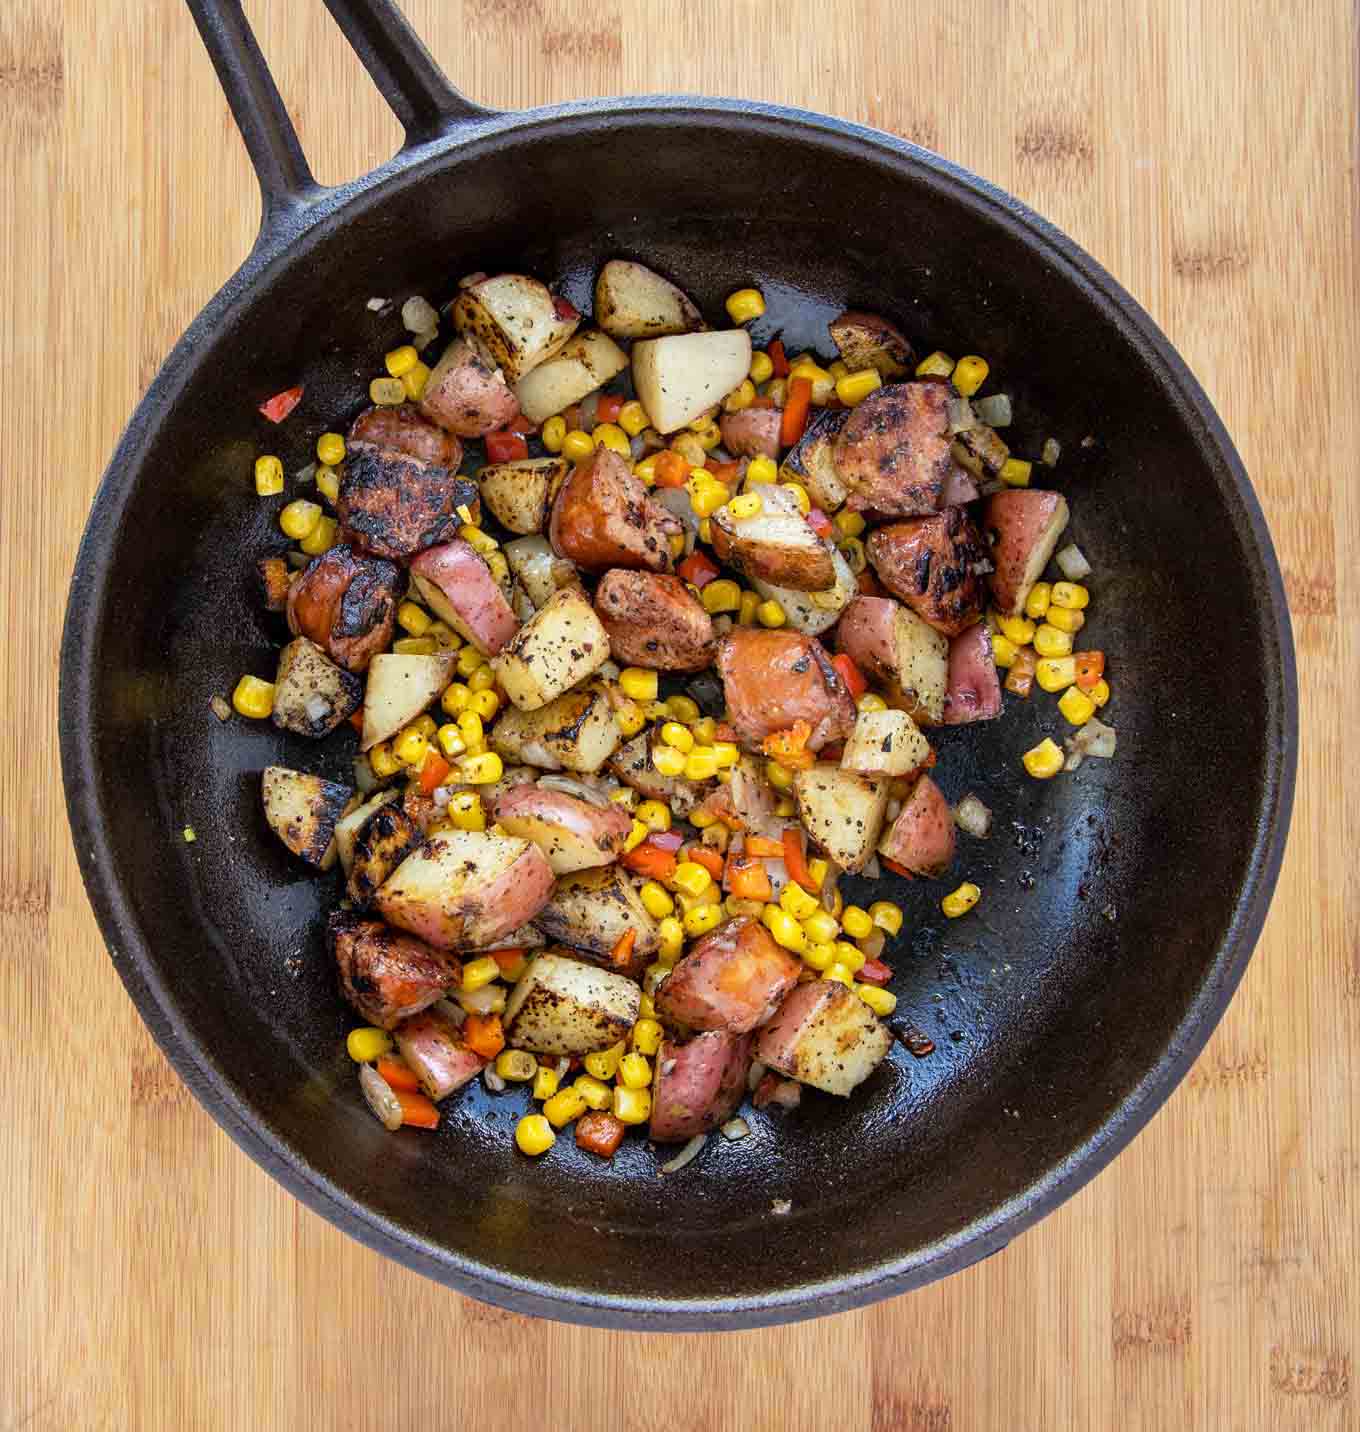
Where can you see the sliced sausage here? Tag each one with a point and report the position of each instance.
(698, 1084)
(401, 429)
(654, 620)
(385, 975)
(394, 505)
(732, 979)
(893, 451)
(974, 690)
(466, 395)
(935, 565)
(753, 432)
(922, 837)
(773, 678)
(602, 518)
(346, 604)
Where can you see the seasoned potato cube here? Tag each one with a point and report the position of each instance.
(678, 378)
(577, 732)
(826, 1036)
(842, 811)
(312, 695)
(515, 321)
(518, 493)
(560, 645)
(588, 362)
(347, 831)
(592, 910)
(400, 688)
(562, 1006)
(631, 301)
(884, 743)
(303, 812)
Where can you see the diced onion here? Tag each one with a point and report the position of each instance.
(425, 337)
(676, 501)
(492, 1080)
(380, 1098)
(754, 1074)
(376, 305)
(418, 315)
(1072, 563)
(1095, 738)
(489, 999)
(872, 944)
(690, 1151)
(781, 1206)
(972, 816)
(959, 412)
(221, 708)
(873, 870)
(636, 448)
(317, 709)
(995, 411)
(304, 475)
(828, 893)
(573, 786)
(735, 1129)
(1051, 453)
(562, 1065)
(441, 796)
(723, 624)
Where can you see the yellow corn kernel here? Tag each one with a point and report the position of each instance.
(1015, 472)
(785, 929)
(761, 469)
(800, 494)
(479, 972)
(881, 1001)
(706, 497)
(727, 755)
(604, 1063)
(534, 1135)
(470, 726)
(1049, 641)
(469, 659)
(821, 927)
(455, 698)
(647, 1036)
(253, 698)
(746, 613)
(820, 955)
(632, 1106)
(711, 895)
(691, 877)
(382, 760)
(411, 747)
(1055, 673)
(806, 366)
(1076, 706)
(1066, 620)
(672, 940)
(577, 446)
(708, 433)
(655, 815)
(415, 646)
(401, 360)
(625, 796)
(1045, 760)
(771, 614)
(780, 777)
(848, 524)
(838, 972)
(871, 701)
(564, 1106)
(705, 535)
(854, 388)
(478, 540)
(742, 396)
(656, 900)
(499, 567)
(479, 684)
(786, 808)
(516, 1066)
(483, 769)
(638, 683)
(1019, 630)
(554, 431)
(937, 365)
(412, 618)
(857, 922)
(658, 711)
(645, 472)
(850, 956)
(691, 449)
(444, 635)
(299, 518)
(797, 901)
(818, 870)
(630, 718)
(268, 476)
(546, 1081)
(1004, 651)
(613, 437)
(961, 901)
(887, 916)
(701, 920)
(1070, 595)
(701, 764)
(466, 812)
(330, 449)
(484, 703)
(366, 1045)
(1100, 693)
(838, 369)
(328, 484)
(745, 304)
(387, 392)
(415, 380)
(667, 760)
(970, 373)
(633, 418)
(426, 726)
(636, 835)
(683, 708)
(1037, 602)
(762, 366)
(705, 728)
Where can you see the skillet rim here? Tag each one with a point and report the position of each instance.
(285, 240)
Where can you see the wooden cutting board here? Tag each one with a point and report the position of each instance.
(153, 1277)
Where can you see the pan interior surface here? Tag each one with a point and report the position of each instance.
(1118, 904)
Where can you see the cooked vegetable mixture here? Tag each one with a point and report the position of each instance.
(633, 694)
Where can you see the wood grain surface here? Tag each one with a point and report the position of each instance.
(153, 1277)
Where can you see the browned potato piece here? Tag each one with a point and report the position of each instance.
(312, 695)
(776, 545)
(564, 1006)
(811, 460)
(842, 811)
(865, 340)
(633, 302)
(303, 811)
(387, 838)
(653, 620)
(935, 565)
(753, 432)
(574, 834)
(826, 1036)
(632, 764)
(466, 395)
(888, 642)
(592, 909)
(576, 732)
(922, 838)
(515, 321)
(518, 493)
(1023, 525)
(275, 580)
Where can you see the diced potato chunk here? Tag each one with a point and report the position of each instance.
(563, 1006)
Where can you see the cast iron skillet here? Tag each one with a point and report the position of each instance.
(1120, 905)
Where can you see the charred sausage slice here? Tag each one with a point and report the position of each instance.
(653, 620)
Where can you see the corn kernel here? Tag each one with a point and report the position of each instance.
(821, 927)
(633, 418)
(708, 433)
(1071, 595)
(762, 366)
(613, 437)
(466, 812)
(820, 955)
(445, 637)
(268, 476)
(871, 701)
(517, 1066)
(854, 388)
(469, 659)
(554, 431)
(387, 392)
(1066, 620)
(632, 1106)
(647, 1036)
(328, 484)
(705, 729)
(656, 900)
(1019, 630)
(838, 972)
(534, 1135)
(849, 524)
(604, 1063)
(785, 929)
(881, 1001)
(740, 398)
(426, 726)
(470, 726)
(797, 901)
(415, 380)
(937, 365)
(564, 1106)
(727, 755)
(1037, 602)
(412, 618)
(1049, 641)
(887, 916)
(678, 736)
(401, 360)
(761, 470)
(415, 646)
(253, 698)
(382, 760)
(701, 764)
(411, 747)
(480, 542)
(857, 922)
(838, 369)
(961, 901)
(546, 1081)
(645, 472)
(1045, 760)
(630, 718)
(691, 877)
(702, 919)
(594, 1092)
(330, 449)
(850, 956)
(366, 1045)
(1004, 651)
(1055, 673)
(483, 769)
(638, 683)
(455, 698)
(636, 835)
(577, 446)
(745, 304)
(818, 869)
(970, 373)
(299, 518)
(746, 613)
(625, 796)
(484, 703)
(1076, 706)
(683, 708)
(655, 815)
(1100, 693)
(1015, 472)
(771, 614)
(667, 760)
(806, 366)
(672, 940)
(786, 808)
(707, 497)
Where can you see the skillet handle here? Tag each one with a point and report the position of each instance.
(406, 75)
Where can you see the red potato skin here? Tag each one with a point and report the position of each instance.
(346, 604)
(431, 1045)
(773, 678)
(653, 620)
(960, 488)
(604, 827)
(867, 340)
(732, 979)
(922, 837)
(753, 432)
(466, 582)
(699, 1084)
(467, 396)
(385, 975)
(1019, 519)
(394, 505)
(974, 692)
(932, 564)
(893, 451)
(402, 429)
(602, 518)
(865, 633)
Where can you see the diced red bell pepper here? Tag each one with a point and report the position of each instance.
(778, 360)
(521, 424)
(707, 857)
(623, 948)
(650, 861)
(432, 773)
(874, 972)
(850, 674)
(895, 868)
(697, 568)
(746, 878)
(607, 407)
(795, 861)
(277, 408)
(819, 522)
(670, 469)
(505, 446)
(565, 309)
(599, 1132)
(796, 408)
